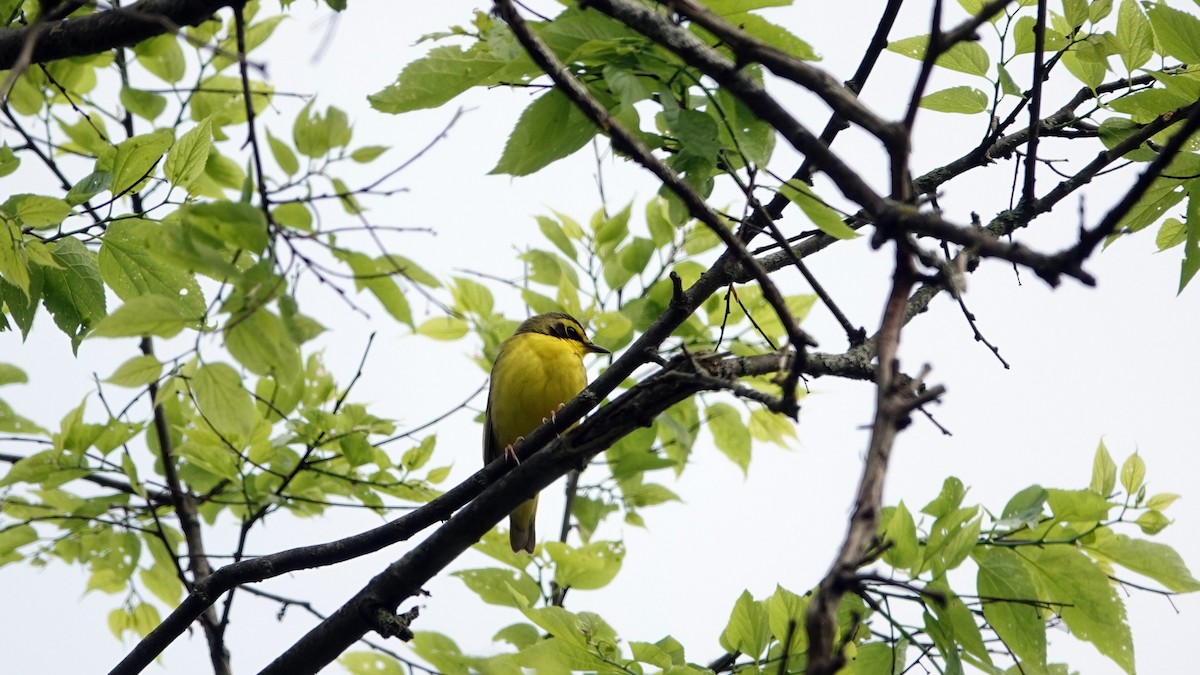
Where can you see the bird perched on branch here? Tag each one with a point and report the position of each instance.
(537, 371)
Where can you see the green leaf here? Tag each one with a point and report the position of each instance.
(14, 265)
(1085, 61)
(748, 630)
(136, 372)
(1104, 472)
(370, 663)
(429, 82)
(1171, 234)
(1133, 474)
(261, 343)
(587, 567)
(519, 635)
(378, 276)
(1077, 505)
(1149, 559)
(144, 104)
(10, 374)
(356, 448)
(1134, 35)
(295, 215)
(729, 433)
(1191, 246)
(959, 543)
(553, 232)
(22, 305)
(368, 153)
(901, 533)
(1075, 12)
(1099, 10)
(1024, 38)
(829, 221)
(551, 128)
(1089, 603)
(162, 581)
(443, 328)
(284, 157)
(225, 405)
(238, 225)
(135, 159)
(650, 494)
(315, 133)
(787, 612)
(37, 211)
(1024, 508)
(775, 36)
(8, 160)
(253, 36)
(948, 499)
(472, 296)
(74, 293)
(1177, 32)
(440, 651)
(131, 263)
(662, 230)
(416, 457)
(90, 186)
(14, 537)
(1008, 589)
(771, 427)
(1161, 501)
(1008, 86)
(162, 56)
(729, 7)
(963, 100)
(1153, 522)
(965, 57)
(878, 658)
(959, 622)
(146, 315)
(626, 85)
(187, 158)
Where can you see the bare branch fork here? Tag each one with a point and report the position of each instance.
(894, 403)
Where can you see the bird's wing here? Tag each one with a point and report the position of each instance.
(491, 446)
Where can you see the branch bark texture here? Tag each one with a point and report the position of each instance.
(105, 30)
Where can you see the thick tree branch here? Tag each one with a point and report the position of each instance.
(540, 464)
(102, 31)
(855, 364)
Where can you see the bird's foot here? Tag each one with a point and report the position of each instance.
(510, 453)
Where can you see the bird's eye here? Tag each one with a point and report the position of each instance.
(572, 333)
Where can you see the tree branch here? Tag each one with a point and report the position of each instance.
(853, 365)
(102, 31)
(893, 404)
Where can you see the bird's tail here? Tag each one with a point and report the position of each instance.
(521, 526)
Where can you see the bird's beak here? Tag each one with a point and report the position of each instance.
(596, 349)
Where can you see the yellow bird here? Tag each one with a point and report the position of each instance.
(537, 371)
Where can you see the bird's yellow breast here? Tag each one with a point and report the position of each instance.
(533, 375)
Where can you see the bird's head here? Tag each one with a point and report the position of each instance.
(564, 327)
